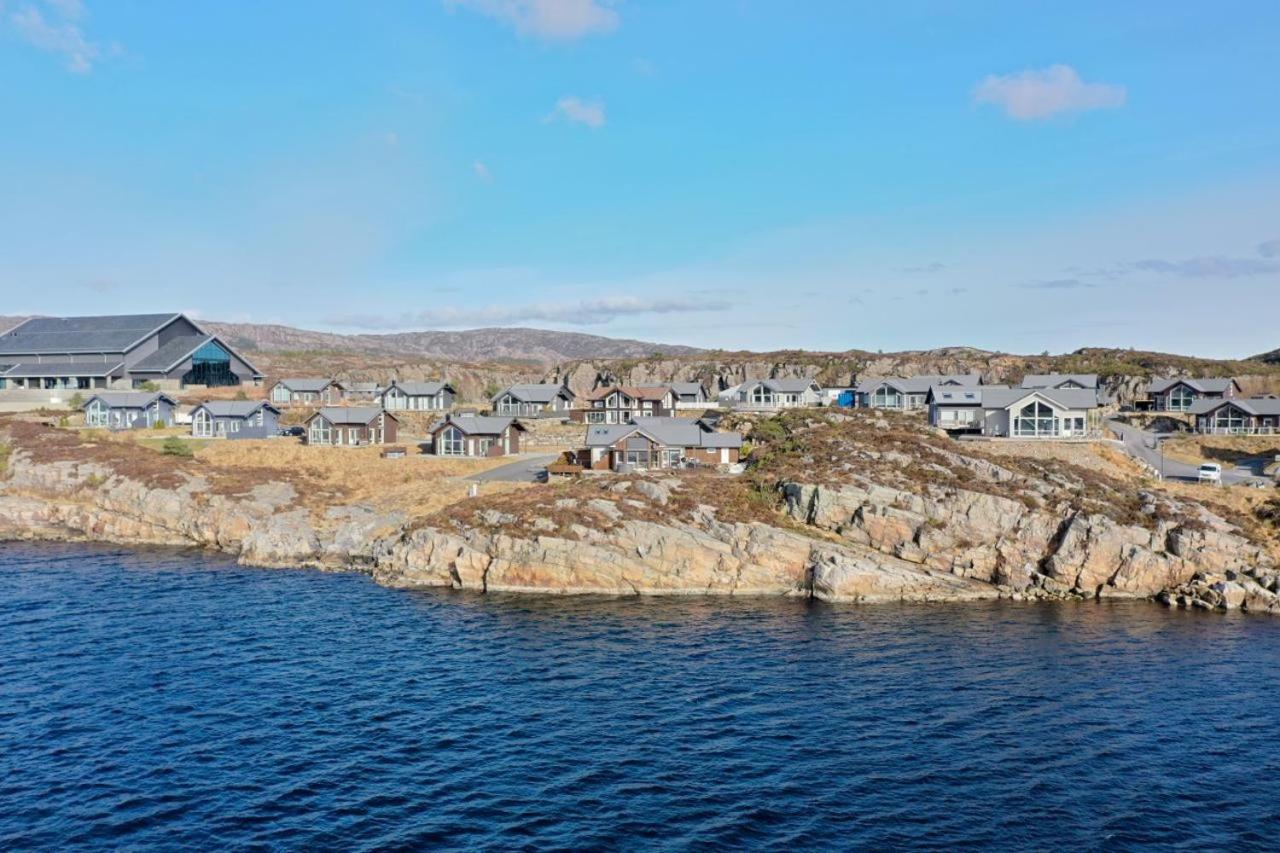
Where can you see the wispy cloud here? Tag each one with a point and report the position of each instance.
(482, 171)
(1039, 94)
(587, 312)
(551, 20)
(1055, 284)
(1210, 266)
(56, 26)
(1270, 249)
(934, 266)
(575, 109)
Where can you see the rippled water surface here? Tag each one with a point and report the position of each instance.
(175, 700)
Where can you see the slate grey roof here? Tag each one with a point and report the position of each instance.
(115, 333)
(672, 432)
(306, 385)
(540, 393)
(234, 408)
(170, 354)
(1253, 405)
(421, 389)
(1052, 380)
(351, 415)
(1204, 386)
(29, 369)
(477, 424)
(362, 387)
(1003, 396)
(682, 389)
(129, 399)
(779, 386)
(918, 384)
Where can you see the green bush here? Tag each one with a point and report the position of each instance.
(158, 425)
(4, 459)
(149, 386)
(76, 401)
(174, 446)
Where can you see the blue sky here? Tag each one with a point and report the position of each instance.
(738, 174)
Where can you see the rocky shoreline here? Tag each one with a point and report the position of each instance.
(856, 542)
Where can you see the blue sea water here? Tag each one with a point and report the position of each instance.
(164, 699)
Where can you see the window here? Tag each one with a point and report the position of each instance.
(320, 432)
(280, 394)
(202, 424)
(452, 442)
(1035, 420)
(210, 366)
(96, 414)
(886, 398)
(483, 445)
(235, 425)
(761, 396)
(1181, 398)
(353, 436)
(671, 457)
(1228, 419)
(261, 418)
(595, 417)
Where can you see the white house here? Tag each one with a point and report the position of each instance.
(1004, 412)
(770, 394)
(908, 393)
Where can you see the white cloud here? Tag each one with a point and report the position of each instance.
(482, 172)
(1211, 266)
(59, 32)
(1039, 94)
(553, 20)
(574, 109)
(1056, 284)
(587, 312)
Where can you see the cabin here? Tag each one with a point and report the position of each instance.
(350, 426)
(1001, 411)
(235, 419)
(1181, 393)
(770, 394)
(1236, 416)
(533, 401)
(623, 404)
(690, 395)
(908, 393)
(418, 396)
(306, 392)
(129, 351)
(361, 392)
(1061, 381)
(475, 435)
(658, 443)
(117, 410)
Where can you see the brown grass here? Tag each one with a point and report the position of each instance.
(1194, 449)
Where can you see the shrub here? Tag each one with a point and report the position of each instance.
(240, 395)
(76, 401)
(158, 425)
(64, 421)
(149, 386)
(4, 459)
(174, 446)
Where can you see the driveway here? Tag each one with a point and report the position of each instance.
(1144, 445)
(526, 469)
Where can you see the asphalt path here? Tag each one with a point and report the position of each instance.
(1144, 445)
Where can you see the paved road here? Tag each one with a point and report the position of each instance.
(526, 469)
(1145, 445)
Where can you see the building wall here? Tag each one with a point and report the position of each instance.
(471, 443)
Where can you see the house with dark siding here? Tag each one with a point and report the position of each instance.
(117, 410)
(533, 401)
(351, 426)
(621, 404)
(306, 392)
(235, 419)
(475, 435)
(658, 443)
(1181, 393)
(418, 396)
(908, 393)
(118, 352)
(1237, 416)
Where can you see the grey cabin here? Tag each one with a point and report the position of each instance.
(116, 410)
(1181, 393)
(475, 435)
(235, 419)
(533, 401)
(306, 392)
(908, 393)
(418, 396)
(120, 352)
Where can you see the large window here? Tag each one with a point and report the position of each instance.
(280, 394)
(452, 442)
(202, 424)
(321, 432)
(96, 414)
(1035, 420)
(1181, 398)
(761, 396)
(595, 417)
(1228, 419)
(886, 398)
(210, 366)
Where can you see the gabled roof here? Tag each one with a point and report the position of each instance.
(129, 399)
(543, 393)
(234, 408)
(918, 384)
(112, 333)
(32, 369)
(635, 392)
(308, 385)
(1204, 386)
(421, 389)
(1256, 406)
(476, 424)
(1053, 380)
(682, 388)
(179, 349)
(780, 386)
(1003, 396)
(672, 432)
(350, 415)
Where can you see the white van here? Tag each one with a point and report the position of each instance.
(1211, 472)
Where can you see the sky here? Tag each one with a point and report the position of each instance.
(726, 173)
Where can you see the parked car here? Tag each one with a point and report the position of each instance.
(293, 431)
(1211, 472)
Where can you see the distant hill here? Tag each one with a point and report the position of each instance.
(475, 345)
(1272, 357)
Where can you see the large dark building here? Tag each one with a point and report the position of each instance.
(124, 351)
